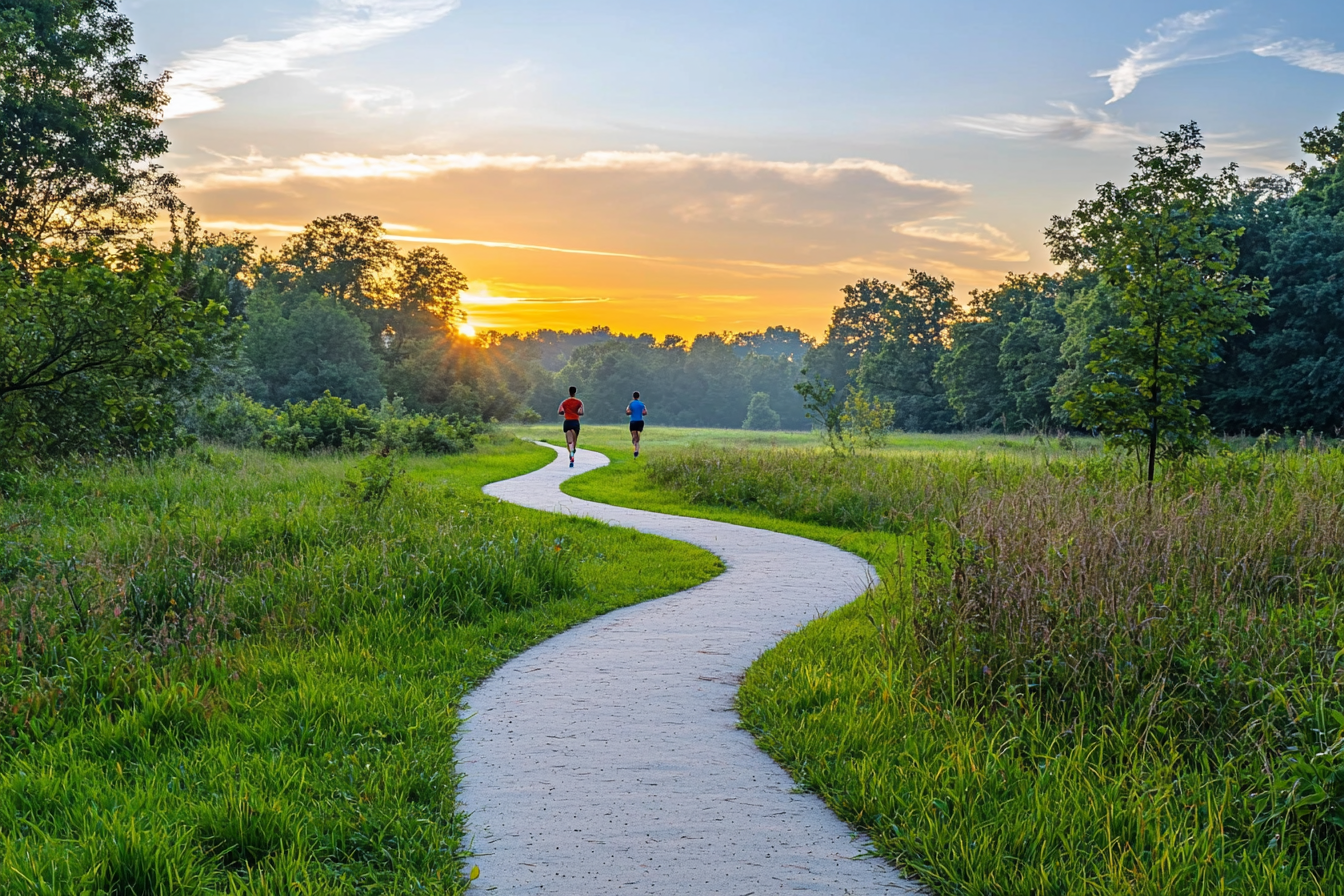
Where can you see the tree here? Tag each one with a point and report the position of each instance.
(1289, 372)
(427, 290)
(759, 413)
(318, 347)
(79, 128)
(915, 320)
(1157, 244)
(343, 256)
(90, 350)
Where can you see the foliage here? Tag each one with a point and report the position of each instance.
(88, 352)
(318, 346)
(1005, 354)
(349, 258)
(865, 420)
(330, 422)
(759, 413)
(819, 398)
(916, 317)
(1289, 372)
(342, 256)
(1158, 245)
(79, 128)
(370, 482)
(292, 729)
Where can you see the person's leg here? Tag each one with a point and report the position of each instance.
(571, 437)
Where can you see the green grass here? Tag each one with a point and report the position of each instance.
(226, 673)
(1062, 686)
(660, 439)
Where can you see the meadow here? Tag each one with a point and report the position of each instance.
(231, 671)
(1064, 683)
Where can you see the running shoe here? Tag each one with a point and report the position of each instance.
(636, 454)
(571, 460)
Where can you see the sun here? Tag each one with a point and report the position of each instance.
(467, 330)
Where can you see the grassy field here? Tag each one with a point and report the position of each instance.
(660, 439)
(1063, 685)
(236, 672)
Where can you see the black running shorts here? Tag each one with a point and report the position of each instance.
(571, 424)
(636, 425)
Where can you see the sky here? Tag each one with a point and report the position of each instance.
(694, 166)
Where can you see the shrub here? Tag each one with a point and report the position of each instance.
(330, 423)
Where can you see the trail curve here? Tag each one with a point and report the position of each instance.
(608, 758)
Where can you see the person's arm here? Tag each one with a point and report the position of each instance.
(627, 410)
(580, 408)
(560, 411)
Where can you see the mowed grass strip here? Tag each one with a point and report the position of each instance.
(1061, 686)
(226, 672)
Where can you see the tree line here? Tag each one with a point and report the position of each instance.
(1189, 303)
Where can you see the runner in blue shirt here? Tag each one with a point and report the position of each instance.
(636, 411)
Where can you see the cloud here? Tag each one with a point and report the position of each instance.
(340, 26)
(1314, 55)
(984, 240)
(1095, 131)
(378, 100)
(1169, 47)
(255, 169)
(625, 222)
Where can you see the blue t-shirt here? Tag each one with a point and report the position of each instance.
(636, 411)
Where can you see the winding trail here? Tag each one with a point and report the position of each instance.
(608, 758)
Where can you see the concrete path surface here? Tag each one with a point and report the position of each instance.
(608, 758)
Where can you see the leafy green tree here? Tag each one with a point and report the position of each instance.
(79, 128)
(823, 407)
(1158, 245)
(90, 351)
(759, 413)
(1289, 372)
(915, 321)
(319, 346)
(426, 292)
(344, 256)
(1004, 354)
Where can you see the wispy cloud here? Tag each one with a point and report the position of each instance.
(340, 26)
(229, 171)
(1072, 125)
(378, 100)
(1315, 55)
(1169, 46)
(984, 240)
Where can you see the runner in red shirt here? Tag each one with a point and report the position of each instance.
(571, 409)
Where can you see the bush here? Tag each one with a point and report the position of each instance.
(92, 352)
(330, 423)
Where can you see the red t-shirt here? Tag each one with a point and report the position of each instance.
(571, 408)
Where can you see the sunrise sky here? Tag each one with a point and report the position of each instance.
(695, 166)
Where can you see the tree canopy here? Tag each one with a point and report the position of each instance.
(79, 127)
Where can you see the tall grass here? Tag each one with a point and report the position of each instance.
(1068, 683)
(894, 493)
(228, 672)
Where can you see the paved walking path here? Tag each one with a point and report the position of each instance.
(608, 759)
